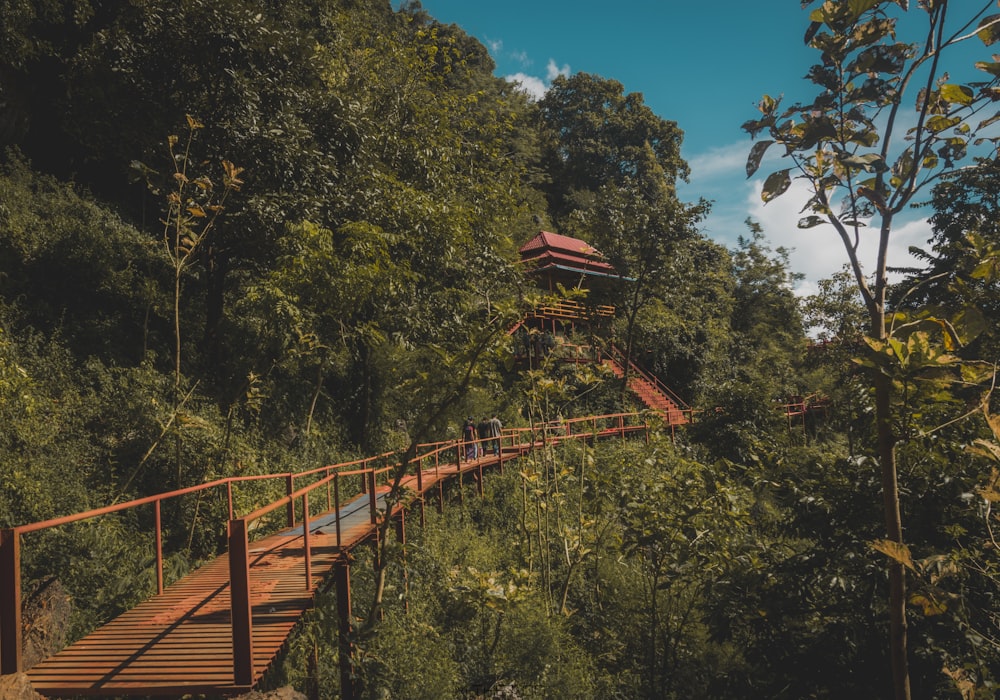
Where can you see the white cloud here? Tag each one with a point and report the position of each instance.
(495, 46)
(521, 57)
(723, 160)
(819, 252)
(554, 70)
(535, 87)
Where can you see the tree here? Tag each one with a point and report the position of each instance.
(863, 157)
(594, 134)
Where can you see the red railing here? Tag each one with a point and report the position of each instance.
(619, 357)
(429, 457)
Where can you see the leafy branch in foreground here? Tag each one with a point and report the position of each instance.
(864, 158)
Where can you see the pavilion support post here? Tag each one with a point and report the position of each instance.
(342, 580)
(10, 601)
(240, 608)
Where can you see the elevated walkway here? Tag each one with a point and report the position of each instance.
(221, 628)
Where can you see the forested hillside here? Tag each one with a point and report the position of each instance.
(241, 238)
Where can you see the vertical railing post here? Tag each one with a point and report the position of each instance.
(159, 551)
(305, 540)
(10, 601)
(336, 502)
(289, 490)
(241, 611)
(372, 505)
(229, 497)
(329, 502)
(342, 578)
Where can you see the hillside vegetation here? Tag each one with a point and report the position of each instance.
(241, 238)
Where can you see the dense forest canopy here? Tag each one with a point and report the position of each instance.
(242, 238)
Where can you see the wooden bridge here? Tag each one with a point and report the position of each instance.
(221, 628)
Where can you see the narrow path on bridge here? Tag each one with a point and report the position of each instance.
(182, 641)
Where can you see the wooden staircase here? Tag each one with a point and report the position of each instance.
(651, 391)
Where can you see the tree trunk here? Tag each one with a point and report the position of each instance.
(894, 531)
(893, 519)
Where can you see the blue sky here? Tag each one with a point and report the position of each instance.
(701, 63)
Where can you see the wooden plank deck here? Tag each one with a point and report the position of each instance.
(180, 642)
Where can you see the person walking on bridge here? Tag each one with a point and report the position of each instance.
(469, 438)
(483, 430)
(495, 430)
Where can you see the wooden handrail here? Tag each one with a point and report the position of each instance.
(238, 527)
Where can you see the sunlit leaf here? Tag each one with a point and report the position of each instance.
(897, 551)
(956, 94)
(989, 30)
(930, 606)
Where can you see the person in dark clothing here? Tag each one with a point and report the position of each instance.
(483, 430)
(496, 427)
(469, 437)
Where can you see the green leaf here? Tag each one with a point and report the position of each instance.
(776, 185)
(989, 67)
(810, 221)
(989, 30)
(940, 123)
(956, 94)
(756, 153)
(869, 162)
(897, 551)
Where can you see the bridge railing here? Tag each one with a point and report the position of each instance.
(329, 478)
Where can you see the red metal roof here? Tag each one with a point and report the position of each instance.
(548, 248)
(554, 241)
(548, 257)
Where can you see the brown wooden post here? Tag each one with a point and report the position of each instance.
(329, 497)
(10, 601)
(240, 608)
(372, 504)
(336, 503)
(305, 540)
(289, 490)
(479, 480)
(159, 551)
(342, 579)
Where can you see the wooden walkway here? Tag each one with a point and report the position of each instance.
(181, 641)
(190, 639)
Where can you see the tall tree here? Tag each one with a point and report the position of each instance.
(594, 134)
(612, 165)
(864, 156)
